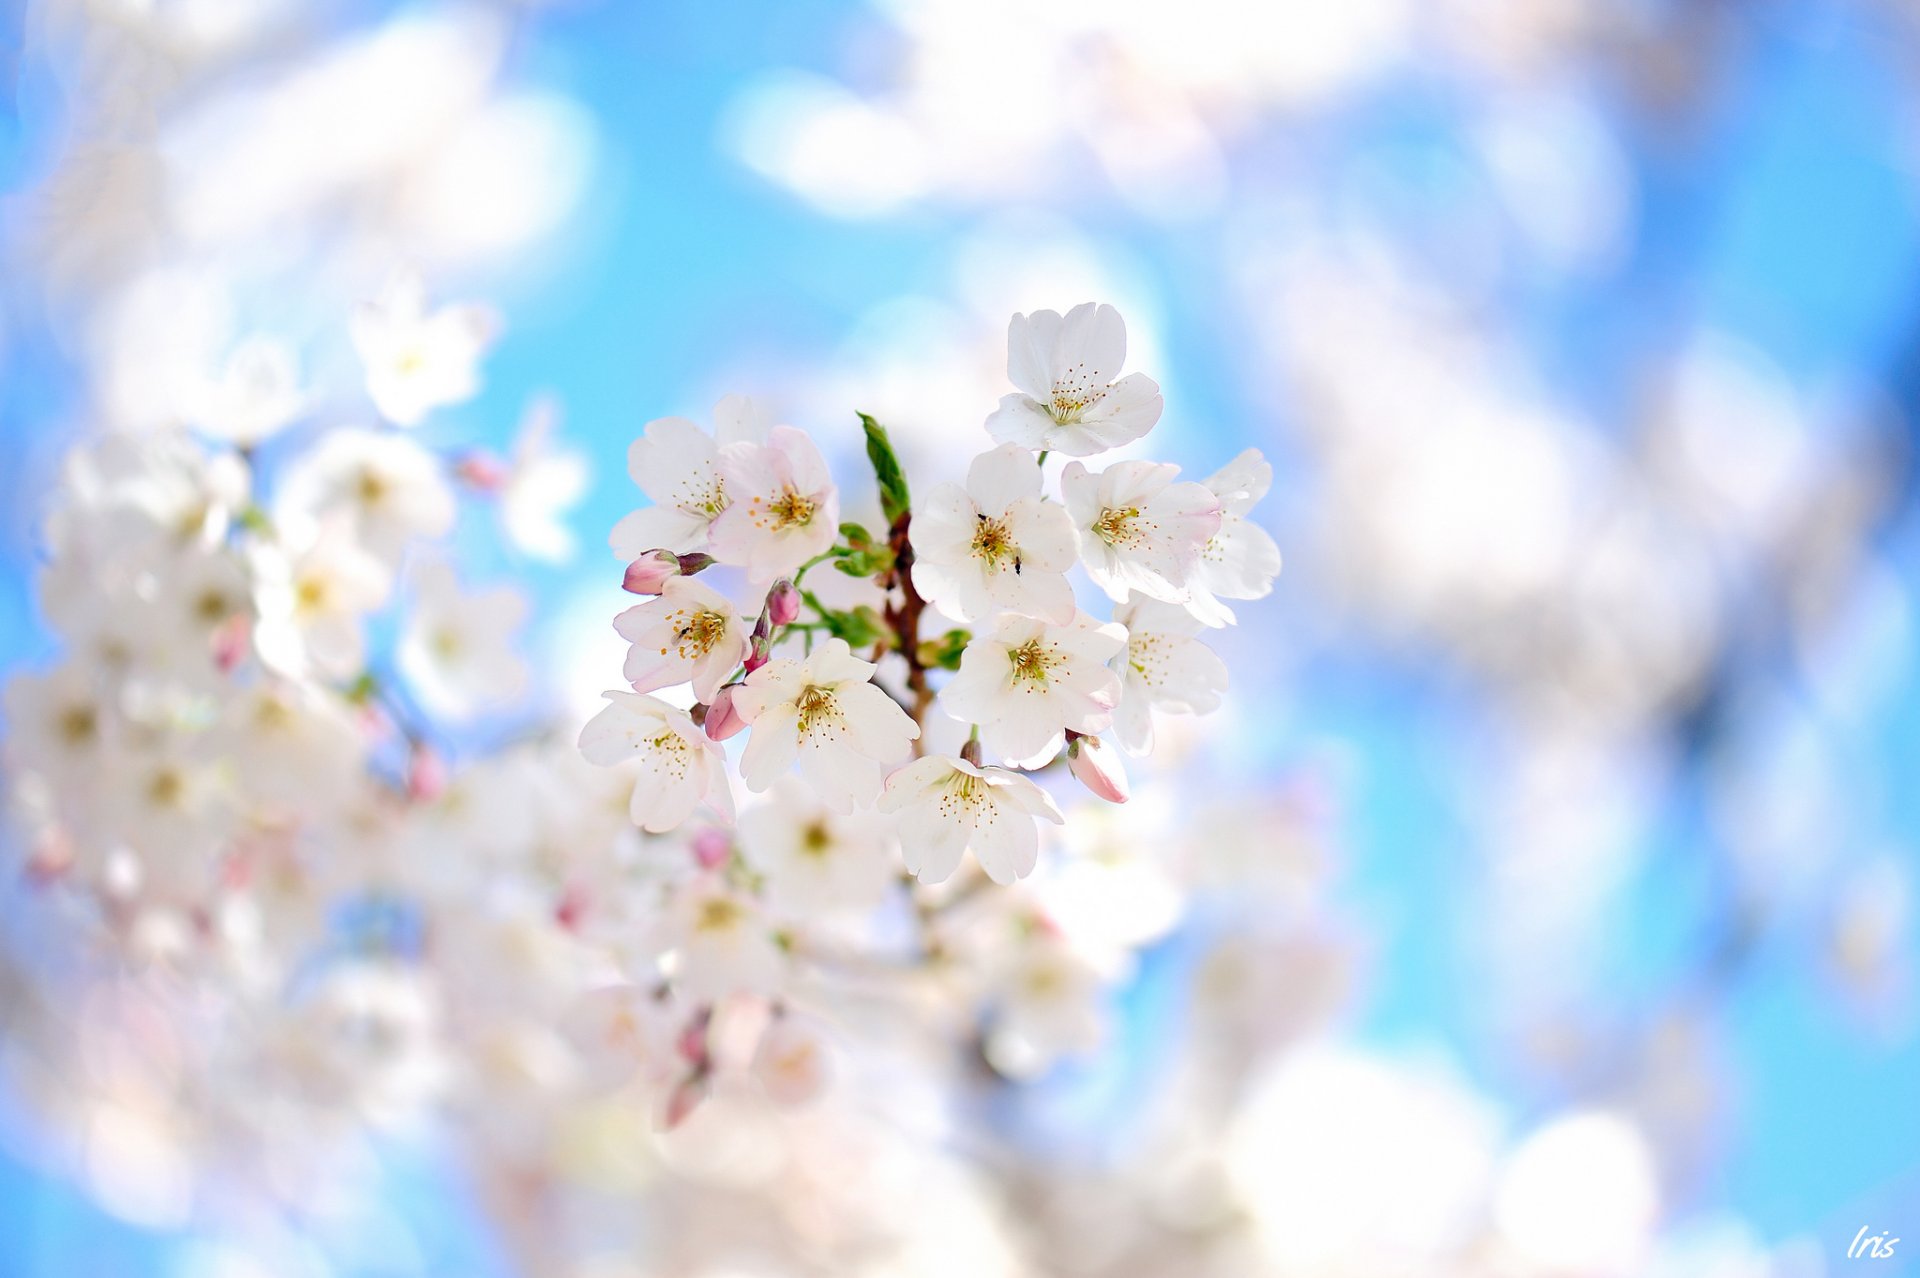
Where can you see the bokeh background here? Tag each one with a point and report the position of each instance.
(1581, 333)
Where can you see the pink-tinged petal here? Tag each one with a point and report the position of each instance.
(1133, 720)
(668, 450)
(1130, 408)
(772, 747)
(1242, 482)
(1099, 769)
(833, 662)
(908, 783)
(657, 528)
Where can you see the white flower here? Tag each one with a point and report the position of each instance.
(816, 859)
(690, 632)
(826, 713)
(1073, 399)
(311, 605)
(676, 769)
(678, 465)
(722, 941)
(947, 805)
(1026, 682)
(59, 725)
(1050, 1004)
(384, 487)
(457, 649)
(995, 545)
(257, 394)
(542, 483)
(1164, 668)
(417, 360)
(783, 508)
(1241, 560)
(619, 1031)
(294, 748)
(169, 806)
(1138, 528)
(791, 1061)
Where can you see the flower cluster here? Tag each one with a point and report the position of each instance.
(916, 709)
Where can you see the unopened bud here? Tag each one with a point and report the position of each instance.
(712, 848)
(426, 775)
(722, 719)
(783, 603)
(648, 574)
(482, 471)
(1097, 767)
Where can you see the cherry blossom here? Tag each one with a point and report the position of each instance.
(542, 483)
(1164, 668)
(457, 650)
(1139, 529)
(826, 715)
(418, 360)
(257, 395)
(783, 508)
(947, 806)
(677, 465)
(1241, 560)
(995, 545)
(1025, 683)
(817, 859)
(1071, 397)
(676, 769)
(690, 632)
(385, 488)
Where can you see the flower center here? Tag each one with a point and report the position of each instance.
(79, 725)
(718, 914)
(993, 541)
(1116, 526)
(1031, 661)
(311, 594)
(372, 488)
(816, 840)
(446, 643)
(816, 706)
(166, 788)
(697, 632)
(792, 509)
(1075, 393)
(212, 606)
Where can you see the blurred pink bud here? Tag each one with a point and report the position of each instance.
(722, 719)
(692, 1043)
(757, 656)
(230, 643)
(712, 848)
(783, 603)
(426, 775)
(482, 471)
(1098, 768)
(648, 574)
(685, 1098)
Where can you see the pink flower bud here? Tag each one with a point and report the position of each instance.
(1098, 768)
(783, 603)
(712, 848)
(683, 1100)
(426, 775)
(722, 719)
(648, 574)
(482, 471)
(231, 641)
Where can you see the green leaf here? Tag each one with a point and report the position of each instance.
(895, 501)
(944, 653)
(857, 538)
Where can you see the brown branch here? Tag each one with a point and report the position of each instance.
(904, 618)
